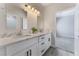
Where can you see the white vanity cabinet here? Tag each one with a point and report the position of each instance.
(31, 51)
(44, 43)
(32, 46)
(37, 49)
(22, 47)
(24, 52)
(48, 38)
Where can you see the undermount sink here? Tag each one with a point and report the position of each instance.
(22, 35)
(14, 35)
(6, 36)
(28, 34)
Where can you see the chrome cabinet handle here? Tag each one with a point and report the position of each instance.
(30, 52)
(48, 39)
(42, 43)
(27, 53)
(42, 37)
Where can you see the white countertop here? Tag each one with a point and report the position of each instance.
(9, 40)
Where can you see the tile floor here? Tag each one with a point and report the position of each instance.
(65, 43)
(57, 52)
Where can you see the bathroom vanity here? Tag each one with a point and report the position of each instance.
(17, 22)
(31, 45)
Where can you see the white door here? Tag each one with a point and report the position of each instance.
(76, 33)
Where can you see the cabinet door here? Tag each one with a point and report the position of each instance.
(44, 43)
(33, 50)
(22, 53)
(2, 51)
(18, 46)
(48, 40)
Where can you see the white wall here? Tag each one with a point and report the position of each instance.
(46, 20)
(65, 26)
(32, 21)
(13, 9)
(76, 31)
(50, 16)
(40, 19)
(2, 18)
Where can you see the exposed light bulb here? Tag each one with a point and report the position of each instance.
(32, 9)
(35, 11)
(29, 6)
(38, 12)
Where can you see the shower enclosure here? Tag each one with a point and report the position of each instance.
(65, 30)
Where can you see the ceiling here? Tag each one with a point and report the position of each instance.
(45, 4)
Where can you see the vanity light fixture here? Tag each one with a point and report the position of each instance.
(34, 11)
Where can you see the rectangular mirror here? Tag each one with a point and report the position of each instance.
(23, 22)
(11, 22)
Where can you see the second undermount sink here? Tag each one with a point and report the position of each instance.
(22, 35)
(15, 35)
(6, 36)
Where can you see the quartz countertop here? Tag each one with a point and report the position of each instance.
(9, 40)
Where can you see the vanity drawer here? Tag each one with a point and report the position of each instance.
(42, 43)
(45, 37)
(42, 49)
(18, 46)
(42, 38)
